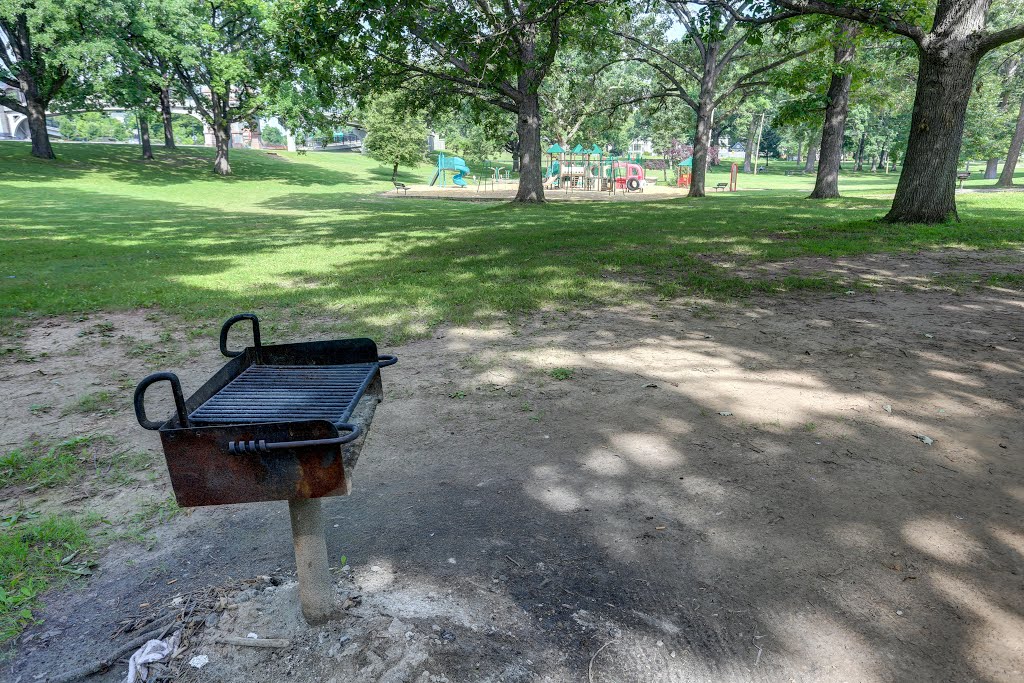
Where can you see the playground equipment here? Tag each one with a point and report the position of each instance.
(628, 176)
(445, 164)
(589, 169)
(685, 172)
(500, 173)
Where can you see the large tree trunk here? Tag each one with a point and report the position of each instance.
(991, 168)
(531, 177)
(702, 138)
(799, 150)
(826, 184)
(757, 144)
(705, 113)
(812, 157)
(926, 189)
(748, 152)
(860, 152)
(222, 140)
(165, 113)
(147, 146)
(36, 112)
(1012, 156)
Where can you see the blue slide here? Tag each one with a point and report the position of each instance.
(459, 165)
(450, 164)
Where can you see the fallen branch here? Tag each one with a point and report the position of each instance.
(252, 642)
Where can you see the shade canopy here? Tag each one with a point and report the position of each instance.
(686, 162)
(578, 149)
(555, 149)
(596, 150)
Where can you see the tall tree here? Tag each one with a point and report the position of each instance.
(1013, 155)
(1008, 70)
(726, 58)
(393, 135)
(951, 41)
(52, 50)
(224, 56)
(496, 53)
(830, 155)
(582, 88)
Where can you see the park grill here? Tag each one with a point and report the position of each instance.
(276, 422)
(288, 409)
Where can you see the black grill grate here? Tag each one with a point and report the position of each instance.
(276, 393)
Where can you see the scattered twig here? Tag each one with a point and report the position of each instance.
(835, 573)
(590, 669)
(509, 558)
(252, 642)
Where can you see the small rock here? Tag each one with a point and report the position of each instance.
(899, 612)
(887, 408)
(211, 619)
(725, 413)
(252, 635)
(451, 560)
(199, 661)
(924, 439)
(375, 568)
(652, 385)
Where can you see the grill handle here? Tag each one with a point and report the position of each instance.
(255, 334)
(243, 447)
(386, 360)
(140, 399)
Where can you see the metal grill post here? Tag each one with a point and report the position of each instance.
(316, 593)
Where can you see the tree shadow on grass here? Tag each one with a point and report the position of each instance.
(122, 163)
(397, 267)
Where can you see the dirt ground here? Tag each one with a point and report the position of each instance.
(717, 492)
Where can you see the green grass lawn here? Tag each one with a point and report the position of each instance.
(100, 230)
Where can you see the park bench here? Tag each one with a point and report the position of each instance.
(962, 176)
(400, 186)
(795, 172)
(721, 186)
(301, 152)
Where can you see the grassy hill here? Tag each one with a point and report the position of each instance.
(310, 235)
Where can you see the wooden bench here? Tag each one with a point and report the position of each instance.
(400, 186)
(962, 176)
(721, 186)
(301, 152)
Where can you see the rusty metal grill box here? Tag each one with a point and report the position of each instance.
(276, 422)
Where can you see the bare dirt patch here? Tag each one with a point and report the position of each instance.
(65, 379)
(714, 493)
(923, 270)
